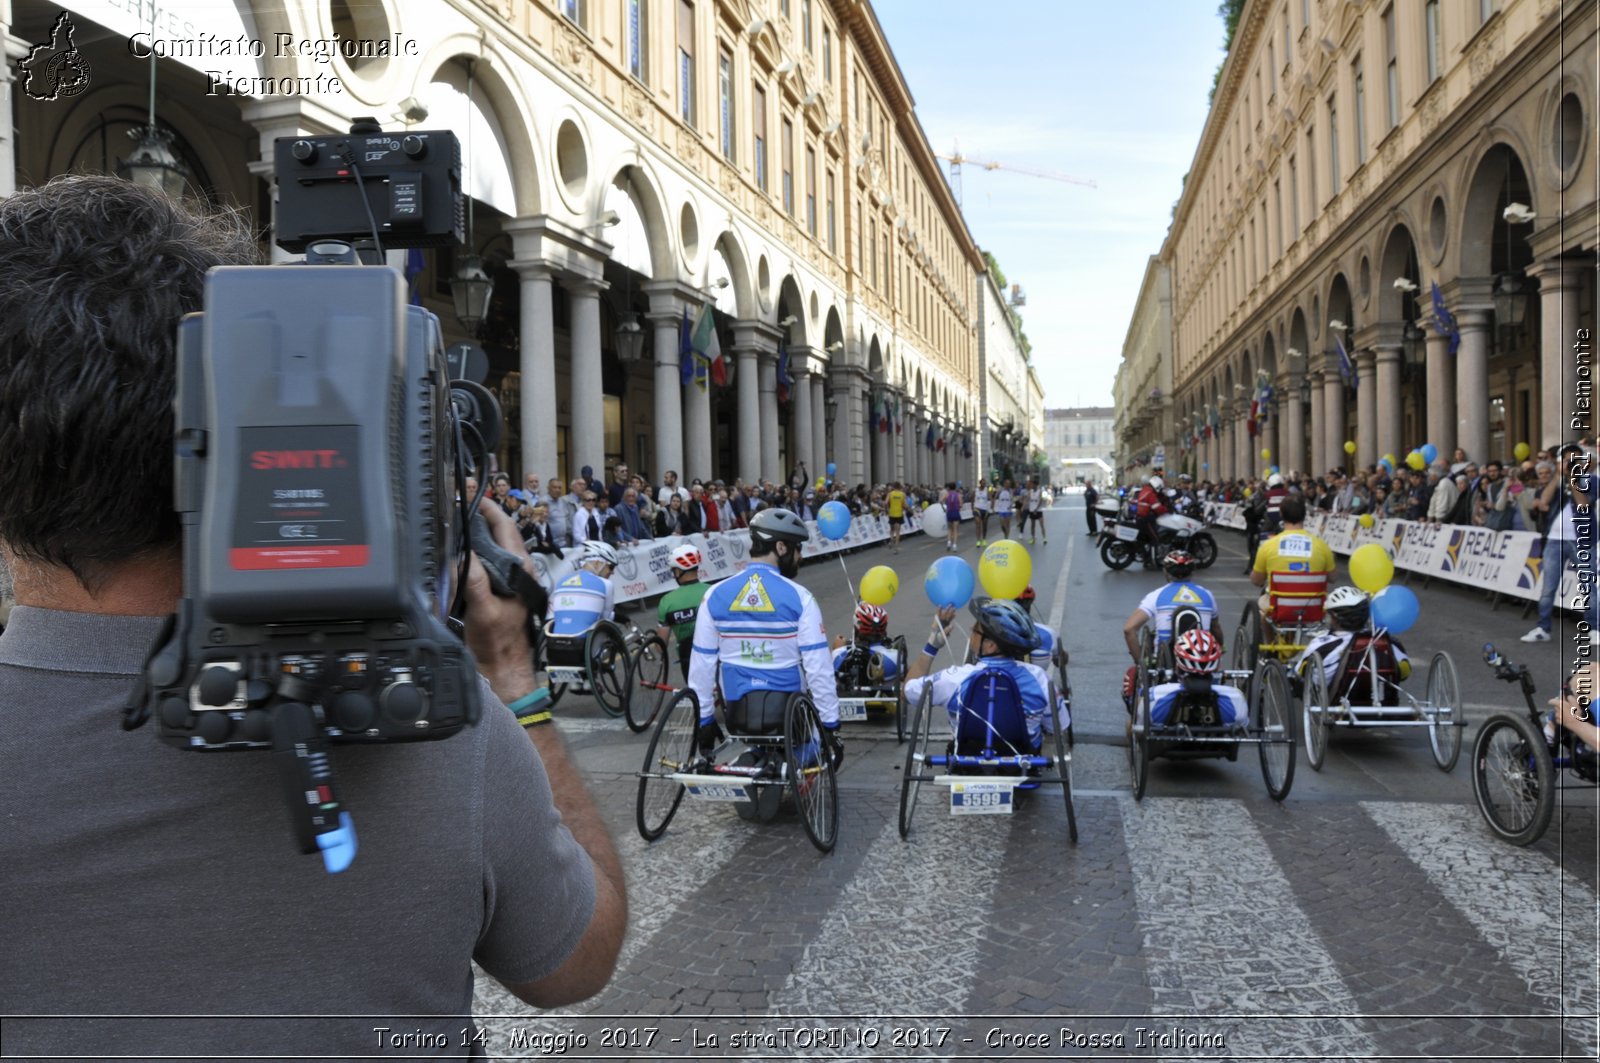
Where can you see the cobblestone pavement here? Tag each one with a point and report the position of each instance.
(1370, 915)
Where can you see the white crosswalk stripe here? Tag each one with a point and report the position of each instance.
(1223, 934)
(1538, 916)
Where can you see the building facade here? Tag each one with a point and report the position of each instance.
(1388, 234)
(1143, 389)
(1011, 397)
(1080, 443)
(629, 162)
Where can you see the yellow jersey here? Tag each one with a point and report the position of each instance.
(1294, 551)
(897, 504)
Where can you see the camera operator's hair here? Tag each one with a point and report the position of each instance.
(94, 274)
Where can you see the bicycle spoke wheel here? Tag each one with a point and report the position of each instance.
(1314, 699)
(915, 772)
(1064, 767)
(651, 666)
(811, 775)
(1513, 778)
(1247, 639)
(671, 749)
(1445, 717)
(1272, 716)
(609, 668)
(1139, 745)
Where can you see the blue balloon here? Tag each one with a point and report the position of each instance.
(833, 520)
(1430, 453)
(1205, 466)
(1395, 608)
(948, 582)
(832, 468)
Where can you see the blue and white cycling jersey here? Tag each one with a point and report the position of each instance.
(1231, 704)
(953, 686)
(1159, 605)
(579, 602)
(765, 631)
(885, 654)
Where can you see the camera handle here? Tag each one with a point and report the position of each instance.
(321, 825)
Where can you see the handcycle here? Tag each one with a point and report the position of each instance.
(1193, 732)
(780, 749)
(1366, 692)
(1297, 601)
(1515, 761)
(864, 690)
(988, 757)
(597, 663)
(652, 673)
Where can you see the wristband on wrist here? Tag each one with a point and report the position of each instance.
(930, 649)
(531, 707)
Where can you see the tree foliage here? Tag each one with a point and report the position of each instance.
(1228, 11)
(1016, 318)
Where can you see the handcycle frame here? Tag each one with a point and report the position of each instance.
(793, 759)
(1266, 690)
(1440, 711)
(856, 701)
(1512, 753)
(652, 671)
(605, 651)
(988, 773)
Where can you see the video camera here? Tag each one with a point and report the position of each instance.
(320, 446)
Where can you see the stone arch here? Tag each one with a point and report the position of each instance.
(739, 298)
(638, 185)
(1489, 244)
(496, 112)
(792, 304)
(832, 333)
(1399, 259)
(1341, 307)
(1299, 340)
(876, 367)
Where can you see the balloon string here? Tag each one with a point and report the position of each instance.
(847, 582)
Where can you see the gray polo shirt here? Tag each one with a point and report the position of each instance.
(143, 880)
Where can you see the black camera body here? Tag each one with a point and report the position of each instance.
(318, 460)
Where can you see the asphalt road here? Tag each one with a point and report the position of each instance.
(1371, 914)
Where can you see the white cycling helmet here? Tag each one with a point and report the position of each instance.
(685, 558)
(596, 550)
(1157, 482)
(1275, 480)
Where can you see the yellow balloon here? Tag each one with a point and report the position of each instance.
(1390, 459)
(1248, 492)
(1349, 447)
(879, 585)
(1416, 460)
(1266, 455)
(821, 483)
(1366, 521)
(1371, 568)
(1005, 569)
(1521, 451)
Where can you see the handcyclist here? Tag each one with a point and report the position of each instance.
(1349, 611)
(1163, 603)
(760, 635)
(1292, 552)
(1044, 653)
(679, 607)
(1193, 695)
(869, 649)
(586, 597)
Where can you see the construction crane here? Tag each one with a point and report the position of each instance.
(957, 159)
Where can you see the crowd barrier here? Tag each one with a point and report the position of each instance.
(1503, 561)
(643, 569)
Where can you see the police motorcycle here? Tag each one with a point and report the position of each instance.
(1120, 544)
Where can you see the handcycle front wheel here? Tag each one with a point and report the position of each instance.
(1513, 778)
(671, 749)
(811, 773)
(1444, 693)
(652, 666)
(609, 668)
(1271, 713)
(916, 765)
(1316, 710)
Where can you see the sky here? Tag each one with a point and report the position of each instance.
(1113, 93)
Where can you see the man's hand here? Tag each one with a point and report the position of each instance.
(833, 746)
(940, 632)
(497, 628)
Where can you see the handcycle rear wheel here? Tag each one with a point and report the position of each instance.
(671, 749)
(1064, 688)
(916, 764)
(1271, 711)
(1064, 767)
(1139, 736)
(811, 774)
(1316, 709)
(1247, 639)
(1513, 778)
(1444, 735)
(608, 668)
(653, 668)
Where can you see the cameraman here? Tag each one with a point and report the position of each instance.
(142, 880)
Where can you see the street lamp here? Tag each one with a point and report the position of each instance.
(153, 163)
(1411, 344)
(470, 290)
(1510, 302)
(630, 338)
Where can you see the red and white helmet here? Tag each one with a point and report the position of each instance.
(1197, 652)
(871, 619)
(685, 558)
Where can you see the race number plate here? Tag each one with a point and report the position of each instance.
(566, 675)
(852, 709)
(1127, 532)
(712, 791)
(980, 799)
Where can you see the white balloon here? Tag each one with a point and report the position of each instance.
(933, 520)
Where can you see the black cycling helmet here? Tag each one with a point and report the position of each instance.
(1180, 564)
(1006, 624)
(778, 526)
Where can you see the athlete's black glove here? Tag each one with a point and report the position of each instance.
(833, 746)
(707, 735)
